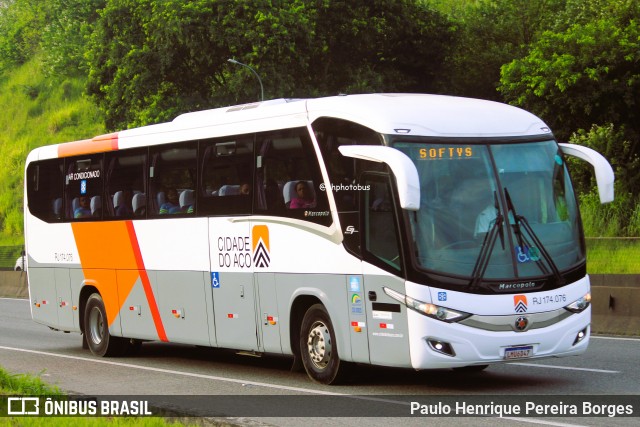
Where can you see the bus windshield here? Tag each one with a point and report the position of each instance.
(494, 211)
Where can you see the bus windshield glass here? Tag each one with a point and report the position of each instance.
(494, 211)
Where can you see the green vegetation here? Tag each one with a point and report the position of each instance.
(613, 256)
(22, 384)
(36, 110)
(72, 69)
(28, 385)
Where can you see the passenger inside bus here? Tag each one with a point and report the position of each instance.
(485, 220)
(303, 196)
(84, 208)
(245, 189)
(171, 204)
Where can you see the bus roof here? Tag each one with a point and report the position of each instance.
(408, 114)
(430, 115)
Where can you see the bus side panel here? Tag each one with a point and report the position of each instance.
(136, 314)
(181, 303)
(387, 320)
(67, 317)
(358, 319)
(268, 313)
(42, 287)
(235, 311)
(174, 253)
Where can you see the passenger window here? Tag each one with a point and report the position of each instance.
(227, 182)
(44, 189)
(83, 188)
(172, 180)
(343, 171)
(380, 231)
(125, 184)
(288, 178)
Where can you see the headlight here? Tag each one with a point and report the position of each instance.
(434, 311)
(580, 304)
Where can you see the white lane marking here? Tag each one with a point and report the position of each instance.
(14, 299)
(615, 338)
(170, 371)
(255, 383)
(568, 368)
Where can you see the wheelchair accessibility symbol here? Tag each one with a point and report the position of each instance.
(526, 253)
(215, 280)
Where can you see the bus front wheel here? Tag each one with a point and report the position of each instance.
(96, 329)
(318, 347)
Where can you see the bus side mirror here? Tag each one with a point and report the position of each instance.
(402, 167)
(602, 168)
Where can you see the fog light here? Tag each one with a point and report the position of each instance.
(441, 347)
(581, 335)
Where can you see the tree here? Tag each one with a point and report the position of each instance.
(492, 33)
(20, 30)
(587, 74)
(65, 34)
(152, 59)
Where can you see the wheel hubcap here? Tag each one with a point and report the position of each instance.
(319, 345)
(96, 326)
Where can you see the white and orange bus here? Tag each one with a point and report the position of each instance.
(412, 231)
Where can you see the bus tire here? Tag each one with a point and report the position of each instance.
(318, 347)
(96, 329)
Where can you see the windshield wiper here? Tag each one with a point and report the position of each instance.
(488, 244)
(519, 223)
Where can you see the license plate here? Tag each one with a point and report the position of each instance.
(520, 352)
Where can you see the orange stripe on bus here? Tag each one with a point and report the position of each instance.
(105, 247)
(99, 144)
(146, 284)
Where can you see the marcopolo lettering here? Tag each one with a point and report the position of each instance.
(525, 285)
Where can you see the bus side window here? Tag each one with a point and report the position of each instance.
(44, 189)
(226, 181)
(83, 183)
(332, 133)
(285, 162)
(380, 231)
(172, 171)
(125, 172)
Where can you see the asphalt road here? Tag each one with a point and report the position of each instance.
(610, 368)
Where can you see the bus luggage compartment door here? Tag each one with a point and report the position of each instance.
(387, 321)
(232, 284)
(43, 296)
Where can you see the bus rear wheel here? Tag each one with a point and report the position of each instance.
(96, 329)
(318, 347)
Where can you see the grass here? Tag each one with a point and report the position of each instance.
(28, 385)
(613, 255)
(21, 384)
(36, 110)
